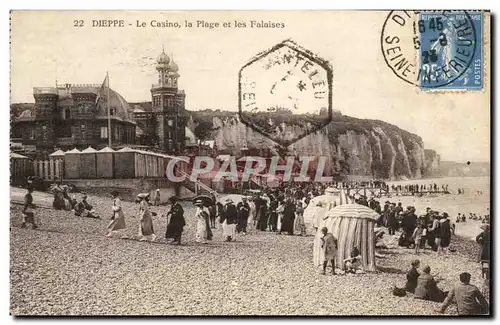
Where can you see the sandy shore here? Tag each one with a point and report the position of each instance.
(68, 267)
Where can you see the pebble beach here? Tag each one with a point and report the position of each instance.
(68, 267)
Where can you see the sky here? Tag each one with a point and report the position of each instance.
(46, 46)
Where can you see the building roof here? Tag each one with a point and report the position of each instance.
(116, 101)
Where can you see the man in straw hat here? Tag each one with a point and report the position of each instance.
(228, 220)
(177, 222)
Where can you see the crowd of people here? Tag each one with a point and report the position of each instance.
(281, 210)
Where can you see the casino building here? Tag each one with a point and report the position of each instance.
(75, 115)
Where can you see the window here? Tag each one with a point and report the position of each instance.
(170, 144)
(112, 111)
(83, 126)
(104, 132)
(32, 134)
(170, 123)
(67, 114)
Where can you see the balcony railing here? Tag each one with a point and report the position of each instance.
(44, 90)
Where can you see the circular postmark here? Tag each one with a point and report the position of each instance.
(428, 49)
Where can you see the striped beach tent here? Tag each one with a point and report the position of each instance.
(353, 226)
(321, 204)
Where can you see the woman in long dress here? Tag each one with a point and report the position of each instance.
(228, 221)
(118, 218)
(251, 215)
(280, 210)
(177, 222)
(201, 222)
(146, 230)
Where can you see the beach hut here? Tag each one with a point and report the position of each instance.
(104, 163)
(124, 163)
(72, 164)
(88, 168)
(353, 226)
(321, 204)
(20, 168)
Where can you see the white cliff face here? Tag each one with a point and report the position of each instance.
(370, 150)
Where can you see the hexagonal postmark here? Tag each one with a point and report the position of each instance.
(285, 93)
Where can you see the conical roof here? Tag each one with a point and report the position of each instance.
(17, 156)
(73, 151)
(126, 149)
(89, 150)
(57, 153)
(106, 149)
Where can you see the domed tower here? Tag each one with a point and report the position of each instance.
(168, 105)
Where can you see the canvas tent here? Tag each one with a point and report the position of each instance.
(88, 167)
(104, 163)
(353, 226)
(72, 164)
(321, 204)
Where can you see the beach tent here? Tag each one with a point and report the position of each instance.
(104, 163)
(88, 167)
(72, 164)
(353, 226)
(124, 163)
(321, 204)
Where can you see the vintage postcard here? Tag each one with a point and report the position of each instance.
(260, 163)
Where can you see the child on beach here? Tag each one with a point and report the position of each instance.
(329, 245)
(417, 237)
(354, 263)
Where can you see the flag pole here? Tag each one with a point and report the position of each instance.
(107, 107)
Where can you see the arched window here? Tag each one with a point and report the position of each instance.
(67, 114)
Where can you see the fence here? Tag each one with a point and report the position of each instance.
(48, 169)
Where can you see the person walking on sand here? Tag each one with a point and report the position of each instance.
(484, 239)
(300, 223)
(329, 245)
(146, 230)
(469, 300)
(177, 222)
(118, 219)
(243, 211)
(201, 215)
(156, 198)
(417, 237)
(28, 209)
(228, 221)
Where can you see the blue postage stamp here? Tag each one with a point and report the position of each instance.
(451, 50)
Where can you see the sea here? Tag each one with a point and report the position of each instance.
(476, 199)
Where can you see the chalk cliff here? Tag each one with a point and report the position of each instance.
(357, 147)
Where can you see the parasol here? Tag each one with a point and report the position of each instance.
(207, 200)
